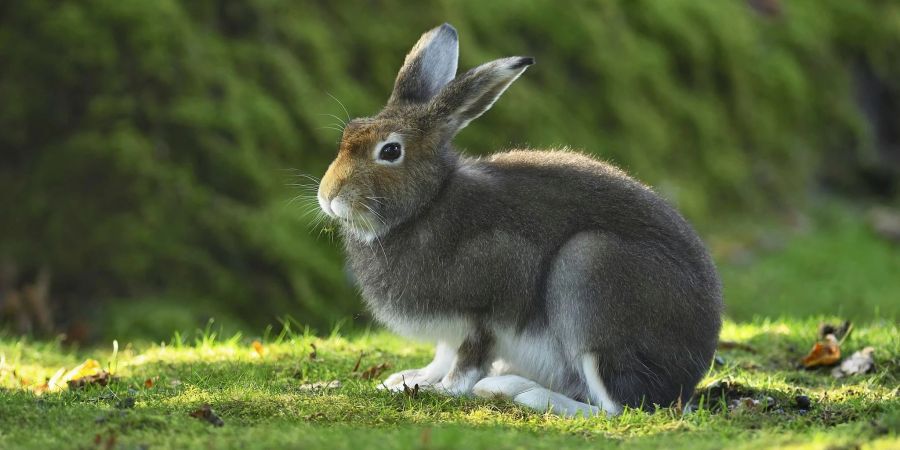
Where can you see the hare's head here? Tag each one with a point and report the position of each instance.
(390, 165)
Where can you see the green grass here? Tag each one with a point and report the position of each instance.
(835, 265)
(835, 268)
(264, 405)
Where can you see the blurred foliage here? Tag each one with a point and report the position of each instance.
(147, 145)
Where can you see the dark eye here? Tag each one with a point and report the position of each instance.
(390, 152)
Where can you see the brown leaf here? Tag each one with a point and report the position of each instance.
(206, 413)
(373, 372)
(315, 352)
(823, 353)
(102, 378)
(148, 383)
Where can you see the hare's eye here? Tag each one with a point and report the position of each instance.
(390, 152)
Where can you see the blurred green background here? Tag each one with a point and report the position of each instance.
(150, 148)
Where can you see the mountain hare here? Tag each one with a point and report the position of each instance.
(545, 277)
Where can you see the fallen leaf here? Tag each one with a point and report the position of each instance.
(314, 354)
(823, 353)
(148, 383)
(321, 385)
(258, 348)
(857, 364)
(102, 379)
(373, 372)
(206, 413)
(87, 368)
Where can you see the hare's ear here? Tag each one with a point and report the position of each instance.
(474, 92)
(429, 66)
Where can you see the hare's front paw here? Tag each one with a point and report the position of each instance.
(423, 377)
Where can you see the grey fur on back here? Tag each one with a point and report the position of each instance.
(549, 247)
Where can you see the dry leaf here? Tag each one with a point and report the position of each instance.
(148, 383)
(373, 372)
(258, 348)
(314, 354)
(206, 413)
(824, 353)
(859, 363)
(103, 378)
(358, 360)
(321, 385)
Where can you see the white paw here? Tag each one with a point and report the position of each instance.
(528, 393)
(506, 386)
(458, 384)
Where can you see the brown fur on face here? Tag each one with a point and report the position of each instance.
(428, 106)
(379, 192)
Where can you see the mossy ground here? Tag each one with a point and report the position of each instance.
(264, 404)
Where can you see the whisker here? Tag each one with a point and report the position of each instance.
(342, 106)
(344, 124)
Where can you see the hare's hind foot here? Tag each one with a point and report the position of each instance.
(532, 395)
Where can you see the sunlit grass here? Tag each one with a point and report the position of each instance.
(265, 402)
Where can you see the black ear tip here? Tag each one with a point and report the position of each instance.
(447, 28)
(523, 61)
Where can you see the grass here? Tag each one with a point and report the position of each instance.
(834, 269)
(834, 265)
(265, 403)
